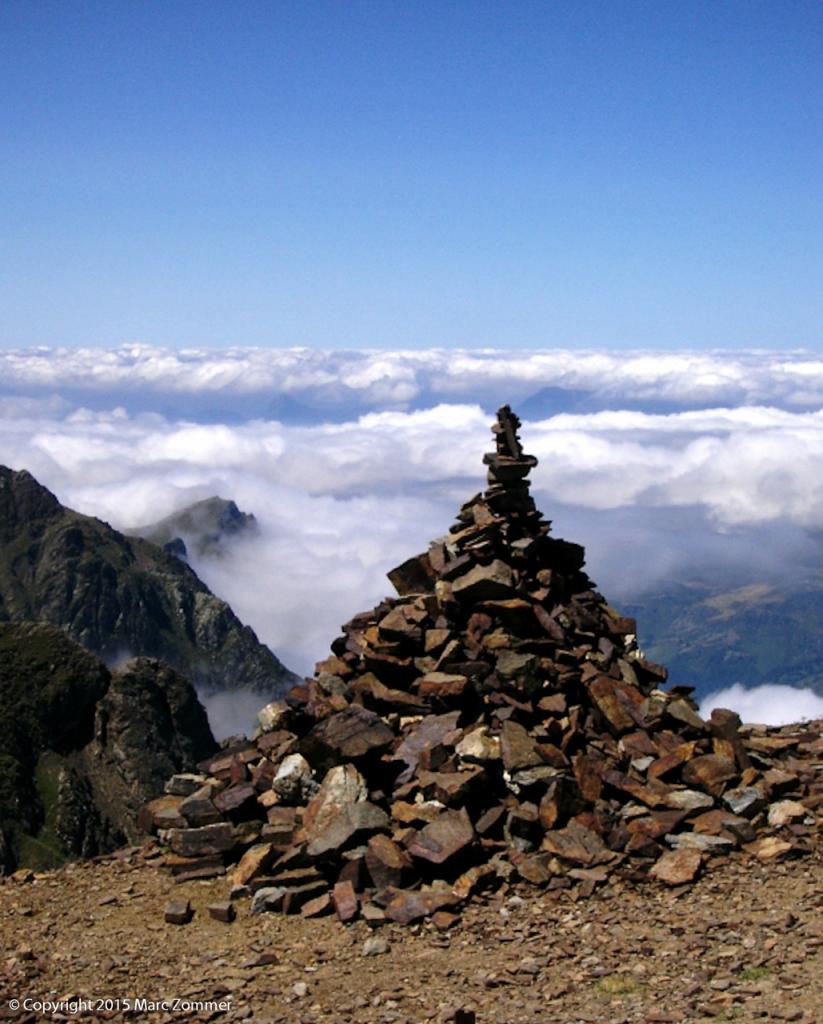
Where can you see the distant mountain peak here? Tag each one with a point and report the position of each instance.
(114, 593)
(203, 527)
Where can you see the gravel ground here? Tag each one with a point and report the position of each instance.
(745, 942)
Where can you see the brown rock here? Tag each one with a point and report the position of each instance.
(373, 694)
(199, 809)
(178, 912)
(770, 848)
(448, 835)
(235, 801)
(673, 759)
(709, 773)
(657, 824)
(444, 920)
(519, 750)
(610, 698)
(162, 813)
(484, 582)
(588, 771)
(452, 788)
(407, 906)
(350, 824)
(295, 899)
(224, 912)
(318, 907)
(436, 640)
(347, 736)
(402, 624)
(386, 861)
(414, 576)
(442, 686)
(345, 901)
(677, 867)
(255, 861)
(784, 812)
(202, 842)
(341, 786)
(534, 868)
(578, 844)
(427, 734)
(683, 712)
(653, 794)
(474, 880)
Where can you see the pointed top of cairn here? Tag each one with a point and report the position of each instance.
(508, 466)
(501, 523)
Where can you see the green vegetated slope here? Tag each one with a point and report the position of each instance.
(120, 595)
(710, 637)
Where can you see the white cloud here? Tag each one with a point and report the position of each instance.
(370, 379)
(340, 503)
(766, 705)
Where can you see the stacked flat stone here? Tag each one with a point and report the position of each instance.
(495, 721)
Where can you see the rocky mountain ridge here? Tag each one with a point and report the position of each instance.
(82, 747)
(203, 527)
(120, 596)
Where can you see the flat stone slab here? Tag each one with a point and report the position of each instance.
(443, 838)
(202, 842)
(677, 867)
(484, 582)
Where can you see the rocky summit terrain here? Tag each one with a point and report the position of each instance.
(744, 943)
(484, 806)
(496, 721)
(203, 528)
(121, 596)
(82, 748)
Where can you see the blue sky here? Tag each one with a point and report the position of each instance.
(412, 174)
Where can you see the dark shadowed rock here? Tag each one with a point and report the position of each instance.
(347, 736)
(83, 749)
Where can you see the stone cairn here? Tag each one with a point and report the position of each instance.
(494, 722)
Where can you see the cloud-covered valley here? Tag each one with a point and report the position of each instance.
(662, 464)
(303, 384)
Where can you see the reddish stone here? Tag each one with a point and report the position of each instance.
(442, 686)
(347, 736)
(386, 862)
(519, 750)
(407, 906)
(317, 907)
(345, 901)
(413, 576)
(202, 842)
(588, 771)
(445, 837)
(673, 759)
(375, 695)
(677, 867)
(255, 861)
(451, 788)
(578, 844)
(236, 800)
(709, 773)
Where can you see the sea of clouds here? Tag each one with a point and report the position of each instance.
(660, 463)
